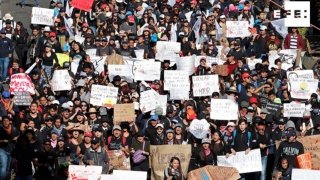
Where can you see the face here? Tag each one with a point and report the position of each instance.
(117, 133)
(6, 122)
(178, 130)
(75, 134)
(242, 126)
(47, 146)
(87, 139)
(33, 108)
(140, 139)
(175, 164)
(169, 136)
(205, 146)
(216, 136)
(159, 130)
(57, 123)
(284, 164)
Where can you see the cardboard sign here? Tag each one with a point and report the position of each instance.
(223, 109)
(167, 50)
(237, 29)
(84, 172)
(222, 70)
(103, 95)
(304, 161)
(199, 128)
(147, 101)
(205, 85)
(303, 88)
(214, 173)
(161, 155)
(123, 113)
(274, 108)
(186, 64)
(311, 145)
(42, 16)
(62, 58)
(124, 71)
(293, 109)
(146, 70)
(118, 160)
(82, 4)
(22, 99)
(176, 79)
(21, 82)
(61, 80)
(244, 163)
(305, 174)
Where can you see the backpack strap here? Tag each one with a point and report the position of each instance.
(234, 133)
(239, 87)
(249, 137)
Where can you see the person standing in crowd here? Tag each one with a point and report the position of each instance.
(6, 51)
(20, 38)
(174, 172)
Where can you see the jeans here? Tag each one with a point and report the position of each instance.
(4, 64)
(5, 160)
(23, 2)
(48, 71)
(264, 161)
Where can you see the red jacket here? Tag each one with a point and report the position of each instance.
(300, 41)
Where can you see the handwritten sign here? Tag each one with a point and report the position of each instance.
(214, 172)
(21, 82)
(244, 163)
(132, 175)
(303, 88)
(301, 74)
(84, 172)
(167, 50)
(288, 57)
(161, 155)
(274, 108)
(237, 29)
(223, 109)
(123, 113)
(42, 16)
(118, 160)
(62, 58)
(146, 70)
(205, 85)
(82, 4)
(161, 101)
(186, 64)
(22, 98)
(103, 95)
(305, 174)
(147, 101)
(293, 109)
(176, 79)
(199, 128)
(124, 71)
(61, 80)
(179, 94)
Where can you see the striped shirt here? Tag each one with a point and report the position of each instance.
(293, 42)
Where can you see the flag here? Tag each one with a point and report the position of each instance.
(196, 28)
(68, 26)
(280, 27)
(68, 9)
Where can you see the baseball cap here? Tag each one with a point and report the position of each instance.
(159, 125)
(116, 127)
(245, 75)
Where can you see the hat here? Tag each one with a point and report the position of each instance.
(222, 17)
(277, 100)
(158, 111)
(159, 125)
(85, 25)
(156, 82)
(281, 121)
(194, 2)
(46, 29)
(154, 117)
(8, 21)
(161, 16)
(230, 54)
(253, 100)
(76, 129)
(250, 109)
(54, 131)
(7, 16)
(92, 110)
(263, 28)
(206, 141)
(264, 111)
(95, 140)
(52, 34)
(231, 124)
(65, 105)
(103, 111)
(116, 127)
(290, 124)
(88, 134)
(61, 139)
(171, 108)
(245, 75)
(81, 83)
(290, 133)
(131, 19)
(103, 6)
(6, 94)
(97, 128)
(169, 131)
(3, 31)
(48, 45)
(181, 34)
(46, 140)
(178, 125)
(244, 104)
(232, 89)
(253, 73)
(55, 102)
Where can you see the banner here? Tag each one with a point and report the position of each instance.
(42, 16)
(303, 88)
(205, 85)
(22, 98)
(62, 58)
(118, 160)
(244, 163)
(214, 173)
(274, 108)
(223, 109)
(146, 70)
(147, 101)
(176, 79)
(82, 4)
(103, 95)
(84, 172)
(123, 113)
(161, 155)
(199, 128)
(305, 174)
(61, 80)
(124, 71)
(237, 29)
(293, 109)
(21, 82)
(167, 50)
(186, 64)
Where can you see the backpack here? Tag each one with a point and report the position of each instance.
(234, 134)
(123, 140)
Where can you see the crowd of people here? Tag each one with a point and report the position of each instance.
(64, 125)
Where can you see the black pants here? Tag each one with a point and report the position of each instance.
(22, 53)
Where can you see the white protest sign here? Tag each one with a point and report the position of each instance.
(109, 177)
(173, 78)
(223, 109)
(253, 62)
(209, 60)
(161, 101)
(98, 63)
(91, 52)
(139, 53)
(303, 88)
(244, 163)
(288, 57)
(84, 172)
(132, 175)
(186, 64)
(167, 50)
(305, 174)
(147, 101)
(302, 74)
(21, 82)
(237, 29)
(124, 71)
(79, 39)
(75, 64)
(61, 80)
(146, 70)
(273, 55)
(199, 128)
(205, 85)
(293, 109)
(103, 95)
(179, 93)
(42, 16)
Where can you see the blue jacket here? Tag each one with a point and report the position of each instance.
(6, 47)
